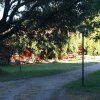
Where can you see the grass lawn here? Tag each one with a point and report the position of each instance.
(91, 90)
(13, 72)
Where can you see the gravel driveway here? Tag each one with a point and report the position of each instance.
(41, 88)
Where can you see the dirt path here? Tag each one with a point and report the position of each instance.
(40, 88)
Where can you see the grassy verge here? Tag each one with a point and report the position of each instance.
(13, 72)
(91, 90)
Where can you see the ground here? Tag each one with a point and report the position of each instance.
(41, 88)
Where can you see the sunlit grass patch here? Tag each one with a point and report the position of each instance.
(91, 90)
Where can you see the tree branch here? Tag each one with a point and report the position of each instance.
(6, 10)
(17, 26)
(13, 12)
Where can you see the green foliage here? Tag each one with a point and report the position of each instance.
(50, 42)
(93, 47)
(45, 13)
(90, 45)
(60, 40)
(96, 32)
(75, 42)
(97, 47)
(60, 15)
(93, 26)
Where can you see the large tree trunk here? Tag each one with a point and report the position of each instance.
(8, 26)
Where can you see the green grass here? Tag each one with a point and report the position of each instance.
(36, 70)
(91, 90)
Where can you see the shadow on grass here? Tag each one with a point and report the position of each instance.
(6, 76)
(12, 72)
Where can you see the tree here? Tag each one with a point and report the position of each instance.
(52, 40)
(9, 24)
(94, 27)
(43, 13)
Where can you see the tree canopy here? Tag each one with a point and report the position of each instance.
(33, 14)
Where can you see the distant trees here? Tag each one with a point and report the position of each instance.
(52, 40)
